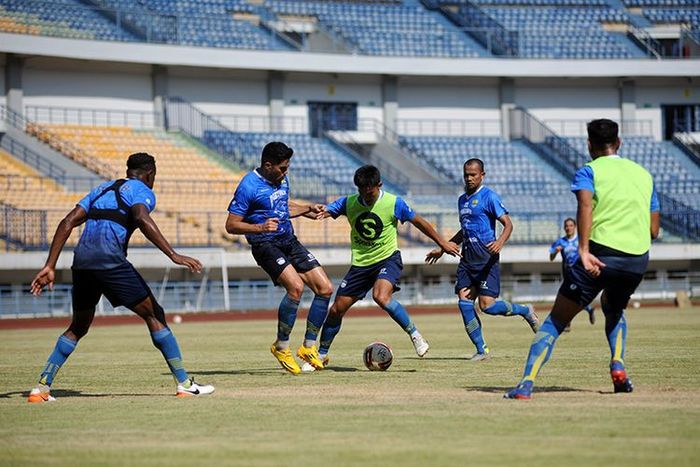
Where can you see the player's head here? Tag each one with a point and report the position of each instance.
(368, 181)
(569, 226)
(473, 174)
(603, 137)
(143, 167)
(274, 161)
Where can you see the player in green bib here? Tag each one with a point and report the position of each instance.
(373, 215)
(618, 216)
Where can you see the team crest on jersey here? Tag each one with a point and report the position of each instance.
(343, 284)
(475, 202)
(369, 226)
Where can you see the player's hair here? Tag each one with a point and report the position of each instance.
(276, 152)
(570, 219)
(140, 163)
(474, 160)
(602, 133)
(367, 176)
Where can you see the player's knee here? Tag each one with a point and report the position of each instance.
(381, 299)
(295, 290)
(325, 290)
(335, 312)
(485, 302)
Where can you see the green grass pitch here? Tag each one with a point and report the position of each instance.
(116, 405)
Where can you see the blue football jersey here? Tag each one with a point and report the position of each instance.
(477, 217)
(569, 252)
(102, 243)
(257, 199)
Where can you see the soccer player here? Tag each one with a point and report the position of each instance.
(568, 247)
(111, 212)
(618, 216)
(373, 215)
(261, 209)
(478, 273)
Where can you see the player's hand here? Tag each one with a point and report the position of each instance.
(591, 264)
(434, 255)
(452, 249)
(316, 211)
(559, 248)
(270, 225)
(192, 264)
(43, 278)
(495, 247)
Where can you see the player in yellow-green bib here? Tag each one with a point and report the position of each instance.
(373, 215)
(618, 216)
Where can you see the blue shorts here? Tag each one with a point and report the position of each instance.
(619, 280)
(123, 286)
(360, 279)
(487, 278)
(274, 256)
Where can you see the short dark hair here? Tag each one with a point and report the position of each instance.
(367, 176)
(140, 162)
(276, 152)
(570, 219)
(602, 133)
(474, 160)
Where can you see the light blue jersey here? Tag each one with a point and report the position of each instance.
(477, 217)
(103, 242)
(569, 250)
(256, 200)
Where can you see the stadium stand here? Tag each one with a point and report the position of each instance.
(63, 18)
(383, 28)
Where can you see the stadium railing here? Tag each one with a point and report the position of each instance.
(31, 158)
(577, 128)
(251, 295)
(23, 228)
(44, 135)
(90, 117)
(689, 145)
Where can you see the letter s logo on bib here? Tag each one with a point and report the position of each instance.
(369, 226)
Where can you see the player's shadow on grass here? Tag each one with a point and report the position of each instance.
(62, 393)
(427, 358)
(504, 389)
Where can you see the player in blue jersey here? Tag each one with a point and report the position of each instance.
(478, 273)
(111, 212)
(261, 209)
(567, 246)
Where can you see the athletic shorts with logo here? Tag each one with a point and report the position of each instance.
(486, 277)
(274, 256)
(618, 279)
(123, 286)
(360, 279)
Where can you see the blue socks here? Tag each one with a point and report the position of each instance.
(317, 315)
(541, 348)
(330, 329)
(399, 314)
(616, 330)
(61, 351)
(503, 308)
(286, 316)
(164, 340)
(472, 325)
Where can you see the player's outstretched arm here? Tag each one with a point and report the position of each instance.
(429, 231)
(47, 274)
(584, 219)
(557, 249)
(147, 225)
(655, 224)
(435, 254)
(496, 247)
(311, 211)
(235, 225)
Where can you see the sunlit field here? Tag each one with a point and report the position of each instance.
(116, 401)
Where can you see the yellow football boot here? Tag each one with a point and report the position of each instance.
(286, 359)
(310, 356)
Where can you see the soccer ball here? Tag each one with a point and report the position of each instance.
(378, 356)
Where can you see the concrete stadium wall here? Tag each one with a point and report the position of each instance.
(96, 88)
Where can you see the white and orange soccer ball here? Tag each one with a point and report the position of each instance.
(378, 356)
